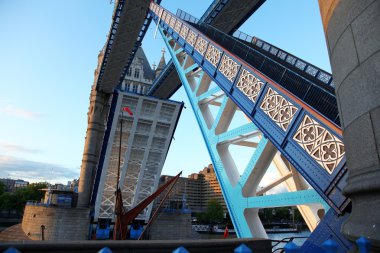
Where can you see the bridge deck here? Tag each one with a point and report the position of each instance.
(130, 21)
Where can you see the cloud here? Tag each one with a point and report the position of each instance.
(16, 168)
(20, 113)
(17, 148)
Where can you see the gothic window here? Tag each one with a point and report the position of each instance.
(129, 72)
(137, 73)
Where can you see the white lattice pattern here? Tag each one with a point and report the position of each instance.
(191, 38)
(164, 15)
(177, 26)
(280, 110)
(184, 31)
(229, 68)
(320, 143)
(172, 22)
(201, 45)
(249, 85)
(167, 18)
(213, 55)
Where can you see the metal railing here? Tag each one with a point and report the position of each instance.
(186, 16)
(329, 246)
(316, 94)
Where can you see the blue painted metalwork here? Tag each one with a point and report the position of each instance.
(169, 67)
(329, 186)
(364, 244)
(327, 183)
(208, 17)
(328, 228)
(11, 250)
(232, 191)
(243, 249)
(291, 247)
(105, 250)
(331, 246)
(180, 250)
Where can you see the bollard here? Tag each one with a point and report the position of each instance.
(363, 244)
(331, 246)
(12, 250)
(105, 250)
(180, 250)
(242, 249)
(291, 247)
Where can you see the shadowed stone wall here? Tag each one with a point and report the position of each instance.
(60, 223)
(352, 29)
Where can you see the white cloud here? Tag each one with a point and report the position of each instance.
(19, 113)
(7, 147)
(17, 168)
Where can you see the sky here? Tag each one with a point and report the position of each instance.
(49, 51)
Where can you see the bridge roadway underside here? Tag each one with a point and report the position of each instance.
(227, 20)
(131, 20)
(217, 246)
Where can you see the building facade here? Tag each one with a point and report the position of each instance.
(140, 75)
(196, 191)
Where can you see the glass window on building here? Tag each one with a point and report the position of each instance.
(137, 73)
(129, 72)
(134, 89)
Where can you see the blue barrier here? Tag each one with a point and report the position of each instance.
(243, 249)
(331, 246)
(291, 247)
(180, 250)
(363, 244)
(105, 250)
(11, 250)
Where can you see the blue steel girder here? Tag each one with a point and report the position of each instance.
(312, 143)
(302, 138)
(220, 12)
(232, 184)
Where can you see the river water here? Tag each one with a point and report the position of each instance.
(278, 236)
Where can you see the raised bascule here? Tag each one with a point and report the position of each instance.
(292, 121)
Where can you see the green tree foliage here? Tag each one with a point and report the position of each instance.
(214, 212)
(17, 200)
(2, 188)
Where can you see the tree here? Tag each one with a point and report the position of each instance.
(9, 202)
(214, 212)
(16, 200)
(2, 188)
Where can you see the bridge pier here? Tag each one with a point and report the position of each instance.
(98, 111)
(352, 31)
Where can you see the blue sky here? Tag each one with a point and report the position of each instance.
(49, 54)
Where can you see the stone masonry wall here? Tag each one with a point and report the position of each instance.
(60, 223)
(172, 226)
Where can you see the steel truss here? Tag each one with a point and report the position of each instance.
(199, 62)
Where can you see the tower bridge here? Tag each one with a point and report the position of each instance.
(326, 158)
(290, 105)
